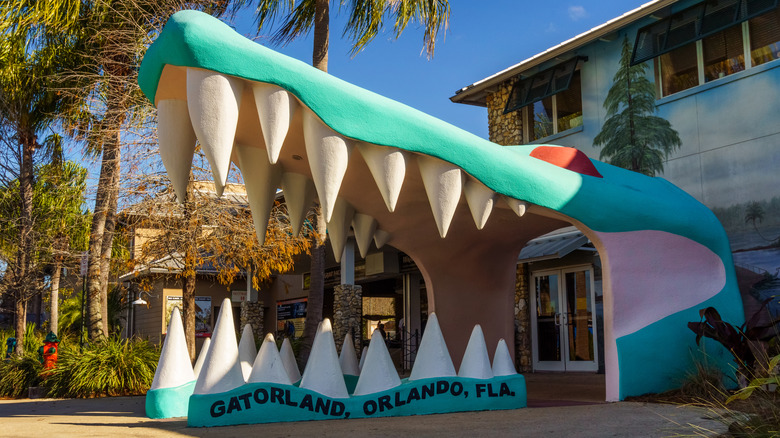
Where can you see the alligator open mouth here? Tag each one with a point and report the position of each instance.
(462, 207)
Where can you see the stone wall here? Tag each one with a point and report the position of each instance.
(522, 320)
(252, 313)
(504, 129)
(347, 314)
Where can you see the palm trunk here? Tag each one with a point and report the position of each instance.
(317, 285)
(105, 258)
(54, 318)
(109, 167)
(321, 35)
(21, 282)
(105, 205)
(20, 325)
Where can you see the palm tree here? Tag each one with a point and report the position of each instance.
(63, 224)
(632, 137)
(754, 212)
(111, 37)
(366, 19)
(28, 106)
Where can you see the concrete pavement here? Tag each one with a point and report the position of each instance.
(124, 417)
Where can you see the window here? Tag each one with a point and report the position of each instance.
(678, 70)
(724, 53)
(553, 114)
(551, 100)
(694, 23)
(765, 38)
(542, 85)
(542, 114)
(716, 43)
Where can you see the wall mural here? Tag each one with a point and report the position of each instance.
(633, 137)
(462, 207)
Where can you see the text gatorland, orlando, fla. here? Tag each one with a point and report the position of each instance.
(336, 408)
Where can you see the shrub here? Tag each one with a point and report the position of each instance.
(110, 367)
(18, 374)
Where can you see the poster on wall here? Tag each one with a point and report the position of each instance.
(202, 316)
(290, 317)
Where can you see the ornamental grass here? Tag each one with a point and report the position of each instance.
(109, 367)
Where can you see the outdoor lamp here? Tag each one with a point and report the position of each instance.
(140, 301)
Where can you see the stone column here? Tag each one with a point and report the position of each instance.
(504, 129)
(522, 320)
(347, 314)
(252, 313)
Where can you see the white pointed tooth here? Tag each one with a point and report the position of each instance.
(338, 227)
(502, 360)
(177, 142)
(288, 360)
(204, 349)
(378, 373)
(480, 199)
(516, 205)
(388, 166)
(443, 183)
(221, 369)
(213, 100)
(348, 359)
(328, 154)
(476, 362)
(323, 371)
(261, 178)
(365, 227)
(275, 108)
(268, 365)
(362, 357)
(381, 237)
(433, 358)
(174, 367)
(299, 193)
(247, 350)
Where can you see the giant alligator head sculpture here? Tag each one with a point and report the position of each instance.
(462, 207)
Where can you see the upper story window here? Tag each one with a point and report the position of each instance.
(709, 41)
(550, 101)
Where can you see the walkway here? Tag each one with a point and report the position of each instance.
(560, 405)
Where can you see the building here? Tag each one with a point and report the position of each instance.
(384, 286)
(715, 68)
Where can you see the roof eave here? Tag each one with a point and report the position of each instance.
(475, 93)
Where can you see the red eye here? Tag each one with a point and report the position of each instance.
(567, 158)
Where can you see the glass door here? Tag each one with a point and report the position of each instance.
(562, 320)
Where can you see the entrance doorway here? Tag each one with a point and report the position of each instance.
(562, 320)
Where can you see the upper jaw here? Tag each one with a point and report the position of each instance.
(196, 41)
(278, 142)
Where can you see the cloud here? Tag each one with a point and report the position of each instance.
(577, 12)
(551, 28)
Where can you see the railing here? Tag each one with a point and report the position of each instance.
(756, 269)
(410, 342)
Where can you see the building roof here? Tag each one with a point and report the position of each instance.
(170, 264)
(553, 245)
(475, 93)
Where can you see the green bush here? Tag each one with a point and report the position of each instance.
(17, 375)
(110, 367)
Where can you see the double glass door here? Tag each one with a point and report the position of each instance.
(563, 320)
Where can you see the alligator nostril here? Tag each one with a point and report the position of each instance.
(297, 157)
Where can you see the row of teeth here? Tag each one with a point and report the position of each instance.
(224, 364)
(210, 114)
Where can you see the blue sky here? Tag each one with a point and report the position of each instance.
(484, 37)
